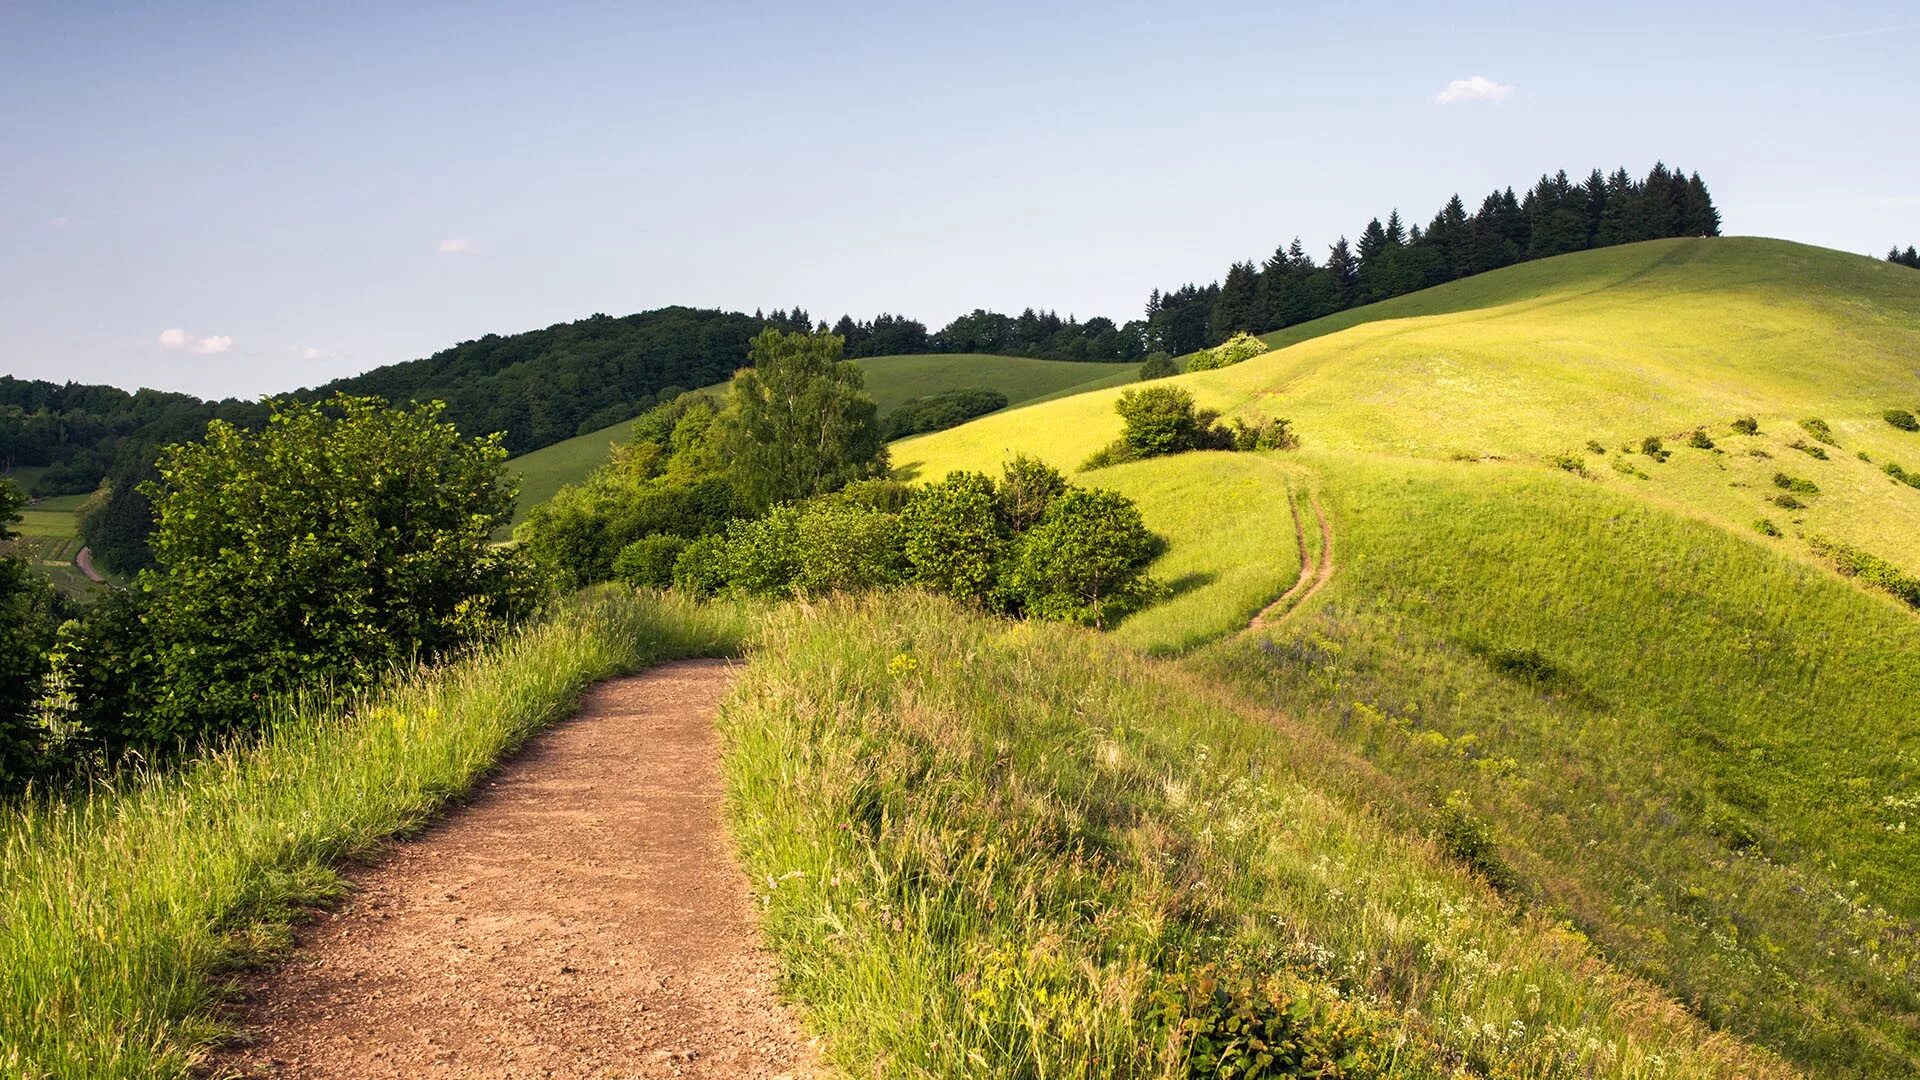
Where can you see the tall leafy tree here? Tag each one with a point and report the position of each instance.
(798, 423)
(27, 606)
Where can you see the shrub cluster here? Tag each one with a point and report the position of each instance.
(1870, 568)
(1700, 440)
(1893, 469)
(1808, 449)
(1158, 365)
(1160, 420)
(1797, 485)
(937, 412)
(1653, 447)
(1902, 419)
(1240, 347)
(1030, 544)
(1818, 428)
(1746, 425)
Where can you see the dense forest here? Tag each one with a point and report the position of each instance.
(1909, 257)
(1039, 334)
(1556, 217)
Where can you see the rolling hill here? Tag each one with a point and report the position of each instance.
(1688, 736)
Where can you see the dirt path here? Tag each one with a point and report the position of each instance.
(84, 561)
(582, 916)
(1316, 569)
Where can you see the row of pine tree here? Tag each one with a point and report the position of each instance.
(1909, 257)
(1555, 217)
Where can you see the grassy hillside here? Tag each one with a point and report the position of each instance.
(1688, 735)
(890, 379)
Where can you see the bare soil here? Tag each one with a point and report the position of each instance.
(1316, 569)
(582, 916)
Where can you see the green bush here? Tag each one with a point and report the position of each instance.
(937, 412)
(1795, 484)
(1654, 448)
(1901, 419)
(1086, 561)
(1597, 447)
(1158, 365)
(1869, 568)
(27, 621)
(1027, 487)
(1160, 420)
(1893, 469)
(1273, 434)
(1233, 1026)
(1787, 502)
(952, 537)
(1766, 527)
(1699, 440)
(1809, 449)
(845, 548)
(701, 566)
(763, 553)
(1746, 425)
(1240, 347)
(1818, 428)
(1469, 839)
(648, 562)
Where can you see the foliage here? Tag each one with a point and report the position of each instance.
(1699, 440)
(1797, 484)
(27, 618)
(796, 423)
(648, 562)
(1158, 365)
(1908, 258)
(1766, 527)
(953, 537)
(1746, 425)
(1869, 568)
(1235, 1026)
(1902, 419)
(1163, 420)
(1240, 347)
(341, 541)
(1028, 486)
(1818, 428)
(937, 412)
(1086, 560)
(128, 906)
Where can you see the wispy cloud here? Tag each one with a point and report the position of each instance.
(311, 353)
(178, 339)
(459, 245)
(57, 222)
(1478, 88)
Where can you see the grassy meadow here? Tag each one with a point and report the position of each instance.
(988, 849)
(125, 909)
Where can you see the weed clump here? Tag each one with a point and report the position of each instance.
(1901, 419)
(1620, 466)
(1469, 838)
(1699, 440)
(1869, 568)
(1597, 447)
(1232, 1026)
(1569, 463)
(1746, 425)
(1893, 469)
(1796, 484)
(1818, 428)
(1765, 527)
(1787, 502)
(1808, 449)
(1654, 448)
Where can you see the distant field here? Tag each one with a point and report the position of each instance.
(890, 379)
(50, 537)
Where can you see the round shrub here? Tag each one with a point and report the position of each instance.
(648, 562)
(1158, 365)
(701, 566)
(1901, 419)
(1086, 562)
(952, 537)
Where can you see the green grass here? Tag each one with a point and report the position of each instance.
(890, 379)
(123, 910)
(989, 849)
(1701, 752)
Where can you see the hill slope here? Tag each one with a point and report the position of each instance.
(1692, 739)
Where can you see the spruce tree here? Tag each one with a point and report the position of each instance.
(1238, 305)
(1343, 274)
(1700, 216)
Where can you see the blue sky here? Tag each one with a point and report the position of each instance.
(243, 198)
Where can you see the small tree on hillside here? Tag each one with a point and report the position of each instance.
(797, 422)
(952, 536)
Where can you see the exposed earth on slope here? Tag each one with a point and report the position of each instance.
(582, 916)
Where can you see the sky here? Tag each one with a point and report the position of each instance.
(238, 199)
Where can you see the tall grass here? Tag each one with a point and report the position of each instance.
(1003, 850)
(123, 910)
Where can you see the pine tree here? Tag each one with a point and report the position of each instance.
(1699, 215)
(1343, 272)
(1490, 247)
(1238, 306)
(1594, 191)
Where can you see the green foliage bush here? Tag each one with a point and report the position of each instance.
(1869, 568)
(27, 620)
(1027, 487)
(1653, 447)
(1085, 561)
(1746, 425)
(798, 423)
(1158, 365)
(1818, 428)
(1240, 347)
(648, 562)
(1161, 420)
(1469, 839)
(1893, 469)
(937, 412)
(1787, 502)
(953, 537)
(1797, 485)
(701, 566)
(1595, 446)
(1809, 449)
(1766, 527)
(1265, 434)
(1228, 1025)
(1700, 440)
(1902, 419)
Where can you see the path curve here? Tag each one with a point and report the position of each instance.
(584, 915)
(1315, 570)
(84, 561)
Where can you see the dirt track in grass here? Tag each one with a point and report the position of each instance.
(582, 916)
(1316, 568)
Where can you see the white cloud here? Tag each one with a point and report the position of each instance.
(458, 245)
(311, 353)
(1478, 88)
(176, 338)
(57, 222)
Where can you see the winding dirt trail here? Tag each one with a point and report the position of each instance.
(582, 916)
(1316, 569)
